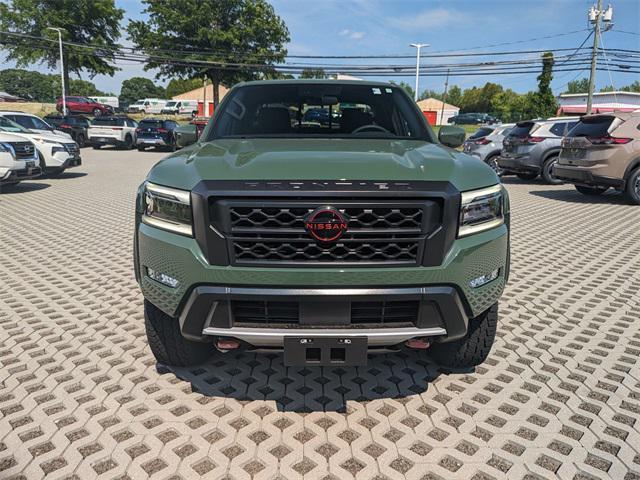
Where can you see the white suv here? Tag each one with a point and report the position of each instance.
(18, 159)
(35, 124)
(55, 153)
(118, 131)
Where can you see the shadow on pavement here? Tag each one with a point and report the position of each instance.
(65, 175)
(23, 187)
(247, 376)
(612, 197)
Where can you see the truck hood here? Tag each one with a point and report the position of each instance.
(321, 159)
(35, 134)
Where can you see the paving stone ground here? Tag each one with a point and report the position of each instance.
(80, 396)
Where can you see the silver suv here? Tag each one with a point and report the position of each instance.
(486, 144)
(531, 148)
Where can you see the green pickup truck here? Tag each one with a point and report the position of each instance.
(327, 241)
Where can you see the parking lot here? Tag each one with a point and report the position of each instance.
(80, 395)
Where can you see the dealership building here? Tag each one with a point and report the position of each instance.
(576, 103)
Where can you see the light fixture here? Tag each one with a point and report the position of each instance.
(162, 278)
(484, 279)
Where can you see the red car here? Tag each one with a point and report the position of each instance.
(84, 105)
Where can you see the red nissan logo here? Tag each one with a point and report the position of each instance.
(326, 224)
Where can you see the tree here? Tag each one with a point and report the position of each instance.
(178, 85)
(95, 22)
(83, 88)
(544, 102)
(313, 73)
(634, 87)
(213, 36)
(454, 96)
(428, 93)
(578, 86)
(137, 88)
(406, 87)
(34, 86)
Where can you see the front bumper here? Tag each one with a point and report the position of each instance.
(585, 176)
(18, 175)
(324, 312)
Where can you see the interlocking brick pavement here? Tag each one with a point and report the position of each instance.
(80, 396)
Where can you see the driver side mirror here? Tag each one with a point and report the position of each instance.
(451, 136)
(186, 135)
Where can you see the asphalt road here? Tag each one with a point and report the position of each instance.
(80, 396)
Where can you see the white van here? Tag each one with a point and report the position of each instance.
(180, 107)
(111, 101)
(147, 105)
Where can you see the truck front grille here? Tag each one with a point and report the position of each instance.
(272, 313)
(378, 233)
(24, 150)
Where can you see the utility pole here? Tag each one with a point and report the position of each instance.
(64, 96)
(444, 97)
(597, 16)
(418, 46)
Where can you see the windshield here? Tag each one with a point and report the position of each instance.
(171, 104)
(7, 125)
(151, 124)
(319, 110)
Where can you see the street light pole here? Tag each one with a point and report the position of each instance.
(418, 46)
(64, 96)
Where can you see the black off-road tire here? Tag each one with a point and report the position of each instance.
(472, 349)
(547, 171)
(591, 191)
(167, 343)
(527, 176)
(97, 112)
(141, 148)
(632, 191)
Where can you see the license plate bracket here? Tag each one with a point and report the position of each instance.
(325, 351)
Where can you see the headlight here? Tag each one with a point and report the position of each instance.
(167, 208)
(481, 210)
(7, 147)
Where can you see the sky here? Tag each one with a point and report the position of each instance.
(367, 27)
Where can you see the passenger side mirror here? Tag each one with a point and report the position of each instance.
(186, 135)
(451, 136)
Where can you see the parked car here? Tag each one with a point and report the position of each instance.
(55, 153)
(603, 151)
(180, 107)
(34, 123)
(18, 159)
(74, 125)
(147, 105)
(84, 105)
(119, 131)
(112, 102)
(321, 242)
(152, 132)
(472, 119)
(486, 144)
(531, 148)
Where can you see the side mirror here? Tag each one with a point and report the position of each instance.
(451, 136)
(186, 135)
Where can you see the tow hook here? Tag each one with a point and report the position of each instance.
(223, 345)
(417, 344)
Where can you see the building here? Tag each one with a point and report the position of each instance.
(433, 111)
(576, 103)
(200, 95)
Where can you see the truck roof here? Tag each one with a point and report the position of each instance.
(316, 81)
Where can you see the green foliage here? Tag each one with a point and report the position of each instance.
(578, 86)
(83, 21)
(544, 102)
(454, 96)
(313, 73)
(137, 88)
(476, 99)
(428, 93)
(41, 87)
(634, 87)
(406, 87)
(179, 85)
(229, 31)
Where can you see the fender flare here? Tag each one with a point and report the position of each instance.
(635, 163)
(551, 153)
